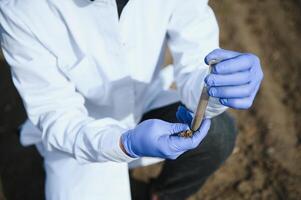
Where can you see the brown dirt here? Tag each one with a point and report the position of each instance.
(186, 134)
(266, 163)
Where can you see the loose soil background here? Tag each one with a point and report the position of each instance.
(266, 163)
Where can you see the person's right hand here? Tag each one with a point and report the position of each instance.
(157, 138)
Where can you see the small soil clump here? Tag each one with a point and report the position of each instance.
(186, 134)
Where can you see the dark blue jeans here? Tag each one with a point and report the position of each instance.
(184, 176)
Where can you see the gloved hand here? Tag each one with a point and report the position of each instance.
(157, 138)
(236, 79)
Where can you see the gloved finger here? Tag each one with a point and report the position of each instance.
(181, 114)
(186, 109)
(180, 117)
(239, 78)
(229, 92)
(188, 115)
(220, 55)
(240, 63)
(180, 144)
(240, 103)
(177, 128)
(184, 115)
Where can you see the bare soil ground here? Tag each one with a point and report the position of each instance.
(266, 163)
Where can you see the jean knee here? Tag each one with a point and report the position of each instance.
(222, 136)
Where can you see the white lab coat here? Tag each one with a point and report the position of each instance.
(86, 77)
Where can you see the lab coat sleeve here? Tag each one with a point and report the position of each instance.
(51, 101)
(192, 34)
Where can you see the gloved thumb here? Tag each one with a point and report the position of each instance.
(199, 135)
(182, 144)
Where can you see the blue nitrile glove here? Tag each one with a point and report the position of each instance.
(184, 115)
(157, 138)
(235, 80)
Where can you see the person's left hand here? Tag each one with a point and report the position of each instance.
(235, 80)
